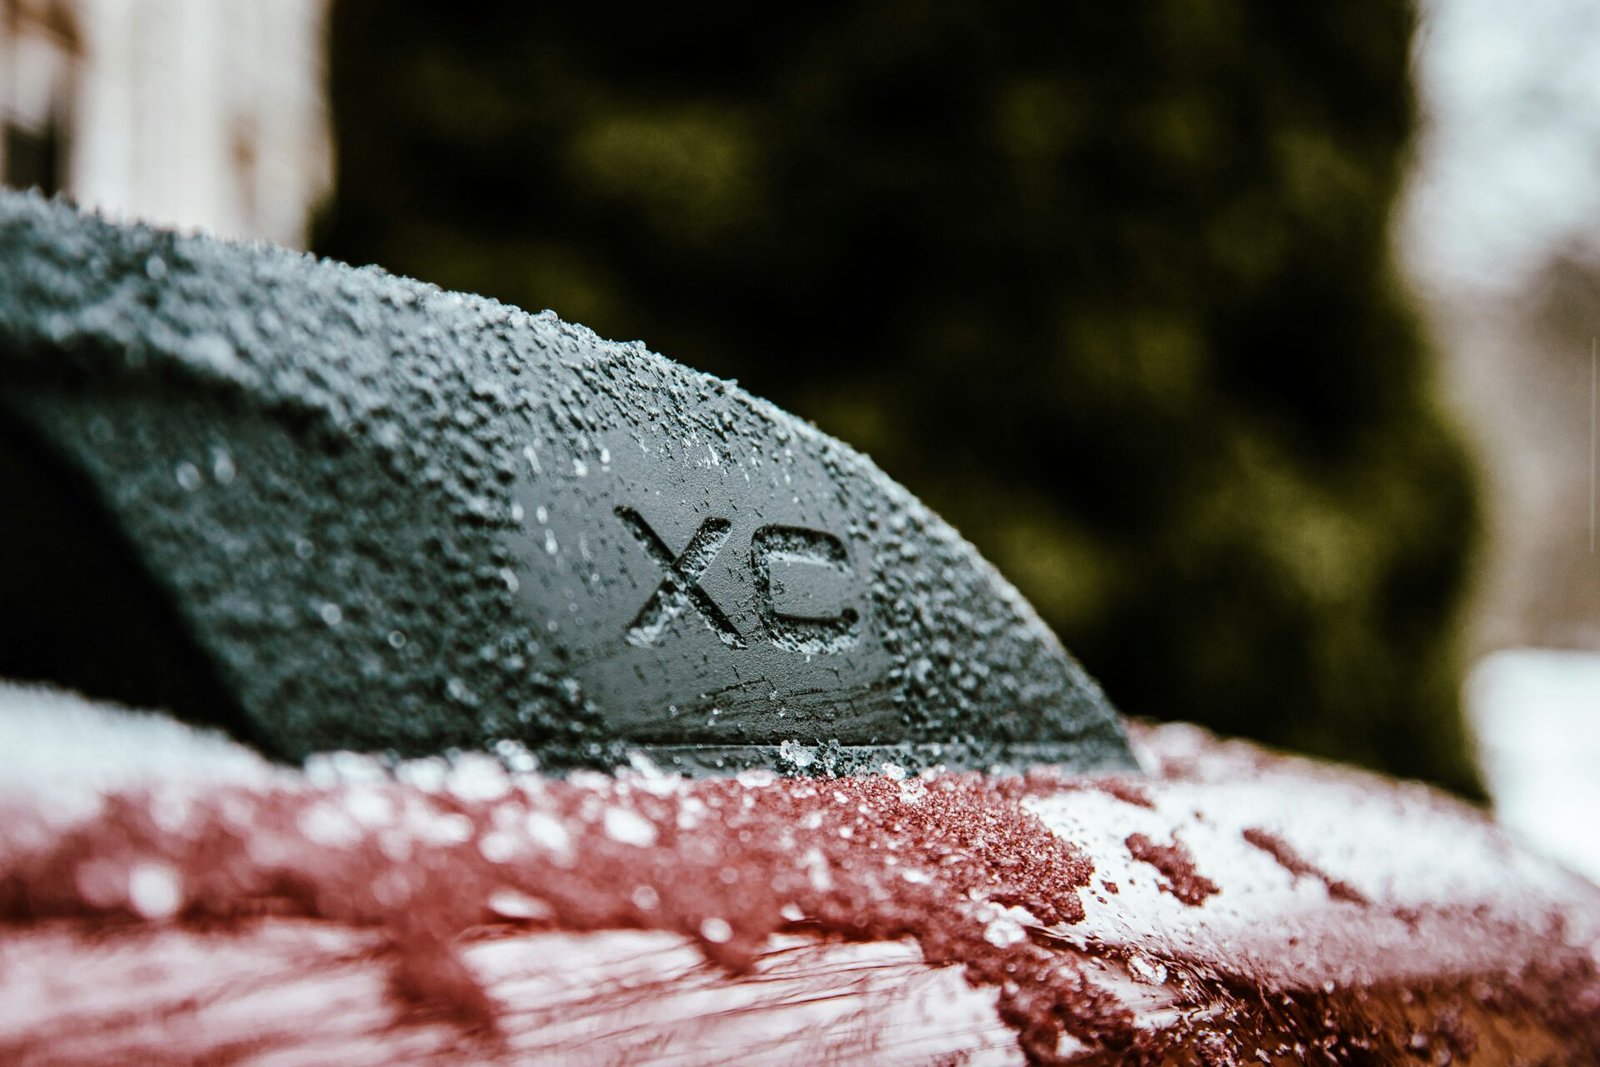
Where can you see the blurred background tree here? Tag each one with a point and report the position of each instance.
(1110, 287)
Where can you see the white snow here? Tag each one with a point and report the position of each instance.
(62, 745)
(1535, 714)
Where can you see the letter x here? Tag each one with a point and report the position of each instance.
(679, 590)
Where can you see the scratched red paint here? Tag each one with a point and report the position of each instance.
(1176, 866)
(1291, 861)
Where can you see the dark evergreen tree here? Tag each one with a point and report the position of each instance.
(1108, 285)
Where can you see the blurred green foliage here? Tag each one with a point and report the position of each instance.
(1109, 286)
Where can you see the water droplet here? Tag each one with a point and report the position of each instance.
(1147, 970)
(547, 832)
(797, 755)
(155, 268)
(325, 824)
(477, 777)
(514, 905)
(550, 545)
(817, 872)
(515, 757)
(447, 829)
(629, 828)
(497, 847)
(717, 931)
(643, 765)
(222, 466)
(427, 775)
(154, 890)
(331, 614)
(397, 639)
(1003, 933)
(541, 514)
(368, 807)
(188, 476)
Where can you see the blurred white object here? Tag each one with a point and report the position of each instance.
(1508, 159)
(199, 114)
(1499, 232)
(1536, 716)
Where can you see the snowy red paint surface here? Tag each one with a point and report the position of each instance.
(728, 862)
(1446, 940)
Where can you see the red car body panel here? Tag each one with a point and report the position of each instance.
(168, 895)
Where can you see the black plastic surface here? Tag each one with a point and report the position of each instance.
(392, 517)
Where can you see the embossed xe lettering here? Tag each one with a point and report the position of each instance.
(801, 578)
(679, 590)
(803, 628)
